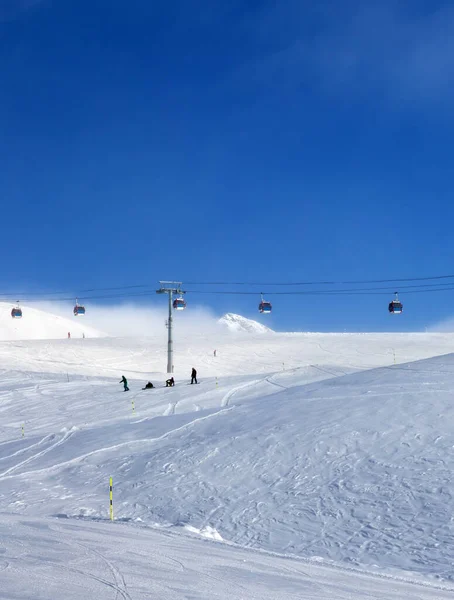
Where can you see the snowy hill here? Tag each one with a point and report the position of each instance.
(40, 325)
(238, 324)
(302, 467)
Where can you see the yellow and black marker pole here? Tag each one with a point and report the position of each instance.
(110, 497)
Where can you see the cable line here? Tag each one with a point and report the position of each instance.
(423, 288)
(28, 294)
(320, 292)
(81, 292)
(292, 283)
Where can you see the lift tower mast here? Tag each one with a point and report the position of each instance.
(170, 288)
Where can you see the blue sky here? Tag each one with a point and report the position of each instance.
(241, 141)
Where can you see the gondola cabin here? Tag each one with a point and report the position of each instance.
(395, 307)
(264, 307)
(179, 304)
(16, 313)
(79, 311)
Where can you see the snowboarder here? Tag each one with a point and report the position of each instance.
(214, 353)
(148, 386)
(193, 375)
(170, 382)
(124, 381)
(69, 335)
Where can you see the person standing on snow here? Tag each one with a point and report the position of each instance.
(124, 381)
(193, 376)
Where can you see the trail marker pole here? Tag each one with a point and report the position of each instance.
(110, 498)
(170, 338)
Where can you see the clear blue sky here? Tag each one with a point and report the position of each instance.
(230, 141)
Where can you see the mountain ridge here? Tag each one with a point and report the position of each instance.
(239, 324)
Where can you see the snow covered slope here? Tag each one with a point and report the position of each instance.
(40, 325)
(292, 471)
(85, 559)
(239, 324)
(321, 354)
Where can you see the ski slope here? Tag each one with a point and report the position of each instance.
(303, 466)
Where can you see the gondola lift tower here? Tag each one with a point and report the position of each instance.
(170, 288)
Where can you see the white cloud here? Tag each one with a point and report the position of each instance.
(134, 319)
(445, 326)
(392, 50)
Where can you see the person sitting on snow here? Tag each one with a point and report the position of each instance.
(170, 382)
(148, 386)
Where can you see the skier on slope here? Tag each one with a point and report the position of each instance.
(193, 375)
(124, 381)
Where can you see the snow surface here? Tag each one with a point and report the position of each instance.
(308, 466)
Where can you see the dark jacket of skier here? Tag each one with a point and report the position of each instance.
(124, 381)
